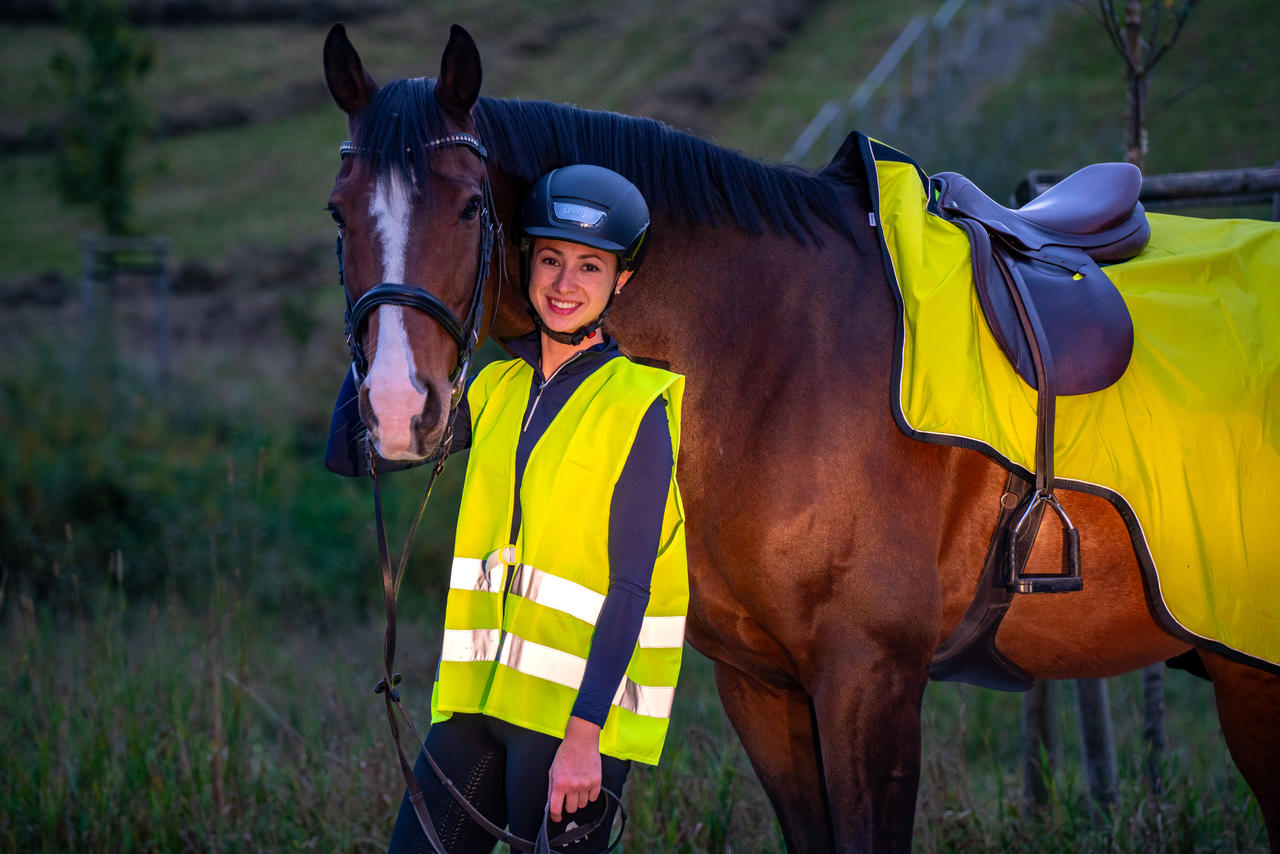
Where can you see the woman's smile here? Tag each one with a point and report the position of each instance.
(564, 308)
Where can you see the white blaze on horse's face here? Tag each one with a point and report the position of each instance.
(396, 396)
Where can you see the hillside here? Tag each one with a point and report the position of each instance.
(246, 132)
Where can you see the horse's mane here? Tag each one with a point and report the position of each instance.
(678, 173)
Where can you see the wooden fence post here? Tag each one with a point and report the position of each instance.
(1097, 742)
(1039, 744)
(1153, 726)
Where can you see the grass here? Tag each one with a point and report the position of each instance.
(1212, 102)
(827, 59)
(156, 726)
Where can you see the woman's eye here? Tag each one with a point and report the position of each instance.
(472, 208)
(337, 217)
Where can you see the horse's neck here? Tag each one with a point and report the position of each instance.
(727, 307)
(745, 303)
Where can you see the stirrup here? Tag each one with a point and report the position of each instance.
(1067, 581)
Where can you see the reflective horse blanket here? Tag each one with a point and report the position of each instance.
(1186, 445)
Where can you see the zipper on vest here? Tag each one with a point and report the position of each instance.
(543, 386)
(509, 571)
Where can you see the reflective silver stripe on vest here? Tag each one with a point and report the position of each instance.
(662, 632)
(467, 645)
(552, 591)
(484, 576)
(543, 662)
(649, 700)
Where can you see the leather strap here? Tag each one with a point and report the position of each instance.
(969, 653)
(394, 293)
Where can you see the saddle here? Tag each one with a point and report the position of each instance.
(1046, 255)
(1065, 328)
(1057, 317)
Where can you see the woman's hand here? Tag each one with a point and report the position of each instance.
(574, 779)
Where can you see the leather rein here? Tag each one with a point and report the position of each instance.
(466, 335)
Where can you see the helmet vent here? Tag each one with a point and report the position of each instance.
(587, 217)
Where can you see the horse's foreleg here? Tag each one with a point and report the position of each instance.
(777, 729)
(1249, 711)
(868, 711)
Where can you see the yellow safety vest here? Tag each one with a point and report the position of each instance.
(520, 655)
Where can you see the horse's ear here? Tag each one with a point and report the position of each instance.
(459, 83)
(349, 84)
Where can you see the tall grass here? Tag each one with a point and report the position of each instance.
(159, 727)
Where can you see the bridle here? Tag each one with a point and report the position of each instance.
(465, 332)
(466, 335)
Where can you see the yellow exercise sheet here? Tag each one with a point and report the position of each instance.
(1186, 444)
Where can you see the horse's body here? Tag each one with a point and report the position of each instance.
(829, 554)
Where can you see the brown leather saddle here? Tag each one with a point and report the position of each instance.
(1046, 256)
(1065, 328)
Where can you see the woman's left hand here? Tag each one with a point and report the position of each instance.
(574, 779)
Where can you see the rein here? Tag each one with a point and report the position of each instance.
(466, 335)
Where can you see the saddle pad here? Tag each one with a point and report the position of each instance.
(1186, 445)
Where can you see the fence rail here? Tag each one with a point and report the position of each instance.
(1257, 185)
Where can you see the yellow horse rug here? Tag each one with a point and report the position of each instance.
(1186, 445)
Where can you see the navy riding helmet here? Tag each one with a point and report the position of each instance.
(590, 205)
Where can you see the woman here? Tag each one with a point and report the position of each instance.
(565, 617)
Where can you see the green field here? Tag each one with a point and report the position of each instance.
(189, 604)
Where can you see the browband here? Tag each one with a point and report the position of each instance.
(465, 139)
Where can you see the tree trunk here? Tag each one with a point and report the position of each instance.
(1135, 75)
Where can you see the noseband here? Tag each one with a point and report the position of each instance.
(466, 332)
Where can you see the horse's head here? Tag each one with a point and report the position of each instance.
(414, 212)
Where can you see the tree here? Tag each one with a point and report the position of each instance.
(1142, 33)
(104, 118)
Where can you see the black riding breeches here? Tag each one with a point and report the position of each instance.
(502, 770)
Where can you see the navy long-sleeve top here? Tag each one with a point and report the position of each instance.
(635, 512)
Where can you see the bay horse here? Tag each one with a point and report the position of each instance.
(829, 554)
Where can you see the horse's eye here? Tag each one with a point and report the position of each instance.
(337, 217)
(472, 208)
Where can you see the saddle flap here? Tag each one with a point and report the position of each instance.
(1085, 321)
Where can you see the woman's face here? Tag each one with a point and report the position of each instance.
(569, 283)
